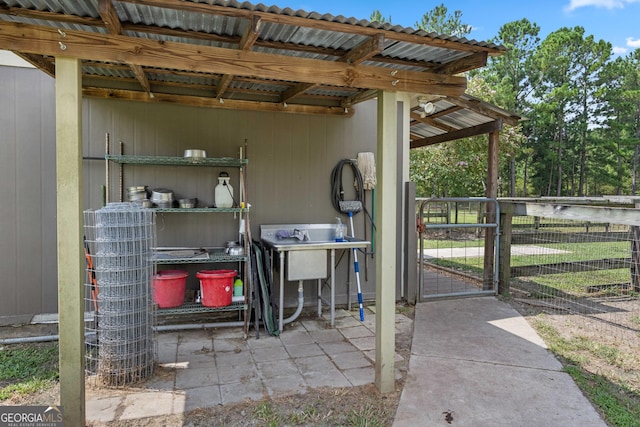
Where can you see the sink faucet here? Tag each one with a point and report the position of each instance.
(301, 234)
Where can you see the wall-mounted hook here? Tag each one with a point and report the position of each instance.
(395, 82)
(62, 33)
(62, 46)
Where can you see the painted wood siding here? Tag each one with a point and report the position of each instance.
(288, 176)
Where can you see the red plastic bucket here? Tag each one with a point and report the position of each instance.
(216, 287)
(168, 287)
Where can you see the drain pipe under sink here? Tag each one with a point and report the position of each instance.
(295, 315)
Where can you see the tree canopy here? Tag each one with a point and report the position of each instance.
(581, 135)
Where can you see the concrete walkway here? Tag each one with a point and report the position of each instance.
(477, 362)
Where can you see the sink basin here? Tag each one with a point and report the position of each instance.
(321, 236)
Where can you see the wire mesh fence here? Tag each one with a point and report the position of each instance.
(119, 241)
(579, 268)
(453, 239)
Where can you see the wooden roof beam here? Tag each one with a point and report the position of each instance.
(494, 126)
(114, 26)
(359, 97)
(251, 34)
(208, 59)
(247, 41)
(39, 62)
(200, 101)
(200, 35)
(296, 90)
(471, 62)
(365, 50)
(223, 84)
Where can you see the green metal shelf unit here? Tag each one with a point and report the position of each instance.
(213, 257)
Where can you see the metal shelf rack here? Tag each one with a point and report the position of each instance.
(213, 256)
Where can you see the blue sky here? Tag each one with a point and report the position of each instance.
(615, 21)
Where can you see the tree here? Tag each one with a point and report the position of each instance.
(510, 76)
(439, 21)
(376, 16)
(570, 67)
(622, 94)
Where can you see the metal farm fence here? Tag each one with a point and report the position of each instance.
(579, 262)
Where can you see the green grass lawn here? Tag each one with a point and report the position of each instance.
(27, 368)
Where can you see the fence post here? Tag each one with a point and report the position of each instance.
(492, 193)
(504, 262)
(635, 255)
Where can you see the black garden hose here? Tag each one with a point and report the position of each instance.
(337, 190)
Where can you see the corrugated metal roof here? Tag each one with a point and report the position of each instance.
(280, 33)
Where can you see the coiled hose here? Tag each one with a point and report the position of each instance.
(337, 190)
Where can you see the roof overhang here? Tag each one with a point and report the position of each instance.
(226, 54)
(455, 117)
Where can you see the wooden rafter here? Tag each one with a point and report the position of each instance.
(296, 90)
(200, 101)
(223, 84)
(116, 48)
(114, 26)
(229, 39)
(251, 34)
(365, 50)
(471, 62)
(494, 126)
(358, 98)
(39, 61)
(246, 42)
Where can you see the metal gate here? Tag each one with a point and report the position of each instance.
(454, 236)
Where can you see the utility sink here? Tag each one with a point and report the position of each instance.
(306, 259)
(321, 236)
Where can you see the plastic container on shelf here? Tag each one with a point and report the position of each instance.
(168, 288)
(223, 194)
(216, 287)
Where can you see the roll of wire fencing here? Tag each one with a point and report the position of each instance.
(119, 241)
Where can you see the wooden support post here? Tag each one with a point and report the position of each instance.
(70, 232)
(504, 260)
(492, 193)
(386, 221)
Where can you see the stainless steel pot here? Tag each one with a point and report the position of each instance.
(162, 195)
(235, 250)
(187, 203)
(195, 153)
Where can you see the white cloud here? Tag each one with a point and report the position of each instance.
(633, 43)
(608, 4)
(617, 50)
